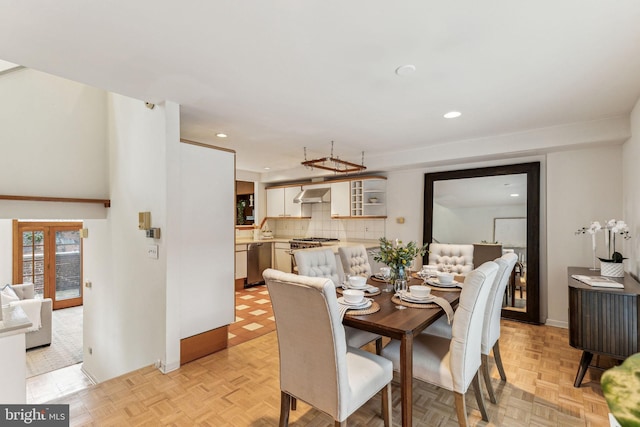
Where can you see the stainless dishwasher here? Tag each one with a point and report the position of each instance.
(258, 260)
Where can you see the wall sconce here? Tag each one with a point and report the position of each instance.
(153, 233)
(144, 220)
(144, 223)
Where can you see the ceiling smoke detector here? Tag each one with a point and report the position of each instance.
(405, 70)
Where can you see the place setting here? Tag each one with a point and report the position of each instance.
(442, 280)
(419, 296)
(358, 283)
(353, 302)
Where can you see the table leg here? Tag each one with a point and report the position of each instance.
(406, 378)
(585, 360)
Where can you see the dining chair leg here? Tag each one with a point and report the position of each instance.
(461, 409)
(294, 403)
(285, 403)
(487, 378)
(386, 405)
(479, 398)
(498, 359)
(379, 346)
(340, 423)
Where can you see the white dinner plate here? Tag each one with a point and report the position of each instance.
(361, 305)
(406, 296)
(436, 282)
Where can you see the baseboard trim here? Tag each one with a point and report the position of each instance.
(557, 323)
(209, 342)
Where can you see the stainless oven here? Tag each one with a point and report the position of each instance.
(306, 243)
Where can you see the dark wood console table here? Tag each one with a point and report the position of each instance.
(603, 320)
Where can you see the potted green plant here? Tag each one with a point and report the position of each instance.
(621, 389)
(397, 256)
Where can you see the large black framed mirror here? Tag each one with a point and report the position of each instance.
(495, 209)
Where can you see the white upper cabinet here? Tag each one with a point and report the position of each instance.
(280, 203)
(341, 199)
(292, 209)
(275, 202)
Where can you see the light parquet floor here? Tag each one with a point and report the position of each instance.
(239, 387)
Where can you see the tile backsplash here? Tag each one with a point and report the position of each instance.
(322, 225)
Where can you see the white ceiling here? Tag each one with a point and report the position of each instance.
(481, 192)
(278, 76)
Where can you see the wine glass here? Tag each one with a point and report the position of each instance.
(400, 287)
(424, 275)
(385, 272)
(345, 284)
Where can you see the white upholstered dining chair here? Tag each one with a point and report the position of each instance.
(458, 257)
(454, 363)
(316, 366)
(355, 260)
(322, 263)
(491, 323)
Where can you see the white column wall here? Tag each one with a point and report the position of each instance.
(631, 193)
(125, 308)
(582, 186)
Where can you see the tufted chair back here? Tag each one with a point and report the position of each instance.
(317, 263)
(460, 257)
(355, 260)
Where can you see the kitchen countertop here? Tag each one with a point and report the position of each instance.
(274, 239)
(368, 244)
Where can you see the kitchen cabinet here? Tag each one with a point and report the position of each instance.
(280, 203)
(241, 261)
(282, 257)
(341, 199)
(368, 197)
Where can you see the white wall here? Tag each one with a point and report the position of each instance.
(631, 193)
(6, 252)
(53, 139)
(125, 308)
(582, 186)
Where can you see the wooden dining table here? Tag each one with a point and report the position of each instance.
(402, 325)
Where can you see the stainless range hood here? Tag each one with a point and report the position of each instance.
(313, 195)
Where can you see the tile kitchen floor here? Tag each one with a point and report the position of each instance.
(254, 315)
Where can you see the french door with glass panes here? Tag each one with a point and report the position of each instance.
(49, 255)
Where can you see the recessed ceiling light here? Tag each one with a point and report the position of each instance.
(221, 135)
(452, 114)
(514, 195)
(267, 168)
(405, 70)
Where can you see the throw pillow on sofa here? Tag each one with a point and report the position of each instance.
(8, 295)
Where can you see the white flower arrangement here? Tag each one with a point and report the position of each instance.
(611, 228)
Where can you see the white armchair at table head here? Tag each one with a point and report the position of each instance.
(315, 364)
(355, 260)
(459, 257)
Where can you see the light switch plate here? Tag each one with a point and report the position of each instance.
(152, 251)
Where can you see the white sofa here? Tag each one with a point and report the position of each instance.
(42, 336)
